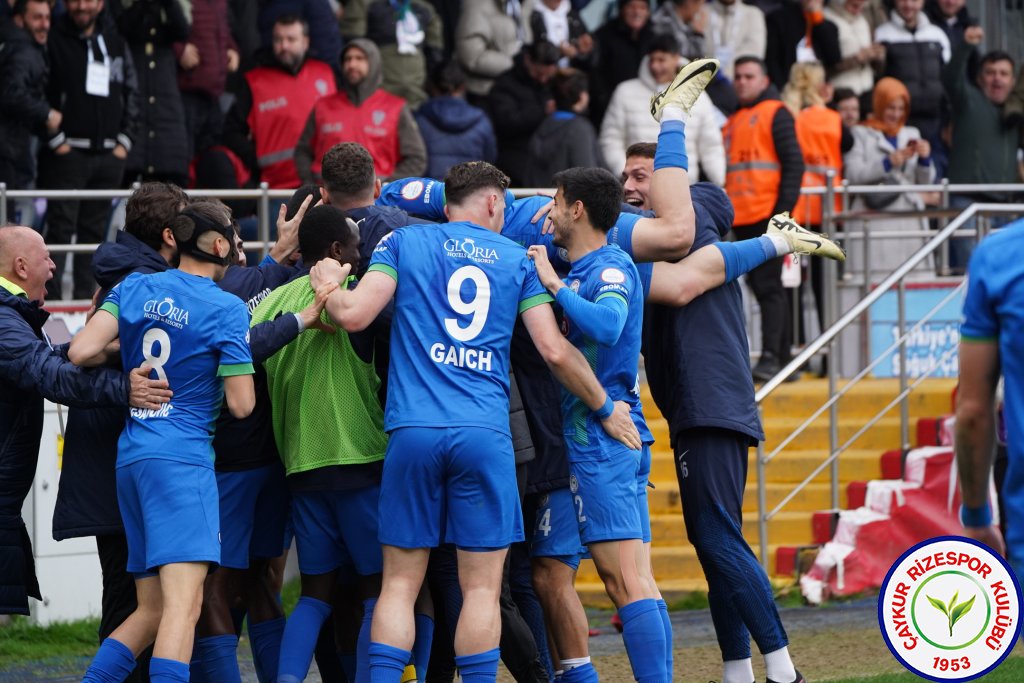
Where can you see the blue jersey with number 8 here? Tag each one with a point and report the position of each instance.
(191, 333)
(460, 289)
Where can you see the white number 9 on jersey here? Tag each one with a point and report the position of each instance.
(477, 306)
(156, 336)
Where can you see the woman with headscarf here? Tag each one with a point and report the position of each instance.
(889, 152)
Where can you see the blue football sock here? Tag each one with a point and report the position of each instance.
(644, 637)
(300, 636)
(479, 668)
(387, 663)
(671, 150)
(666, 622)
(580, 674)
(112, 664)
(219, 655)
(348, 665)
(167, 671)
(421, 646)
(363, 643)
(743, 256)
(265, 641)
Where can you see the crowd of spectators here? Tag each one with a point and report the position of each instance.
(230, 93)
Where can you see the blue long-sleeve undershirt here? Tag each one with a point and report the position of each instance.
(601, 320)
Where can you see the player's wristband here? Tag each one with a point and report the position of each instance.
(605, 411)
(975, 518)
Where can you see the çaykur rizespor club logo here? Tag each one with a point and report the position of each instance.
(949, 609)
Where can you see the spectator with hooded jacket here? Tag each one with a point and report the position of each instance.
(628, 118)
(361, 111)
(453, 130)
(99, 127)
(151, 29)
(24, 72)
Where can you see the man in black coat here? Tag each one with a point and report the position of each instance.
(92, 80)
(799, 31)
(518, 103)
(24, 71)
(31, 370)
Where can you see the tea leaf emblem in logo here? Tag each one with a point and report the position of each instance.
(953, 611)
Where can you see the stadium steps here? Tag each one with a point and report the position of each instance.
(796, 526)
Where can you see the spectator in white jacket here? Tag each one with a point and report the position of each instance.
(628, 118)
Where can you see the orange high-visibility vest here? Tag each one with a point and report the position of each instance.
(753, 173)
(819, 131)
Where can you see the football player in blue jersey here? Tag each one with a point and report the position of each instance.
(196, 336)
(602, 301)
(449, 472)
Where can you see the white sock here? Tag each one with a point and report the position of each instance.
(673, 113)
(738, 671)
(568, 664)
(779, 666)
(782, 246)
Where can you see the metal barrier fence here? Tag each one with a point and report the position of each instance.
(828, 341)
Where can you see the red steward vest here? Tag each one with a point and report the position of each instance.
(820, 133)
(280, 106)
(373, 124)
(753, 173)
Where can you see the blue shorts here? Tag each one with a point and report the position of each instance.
(556, 531)
(643, 475)
(605, 493)
(334, 529)
(450, 485)
(170, 513)
(253, 509)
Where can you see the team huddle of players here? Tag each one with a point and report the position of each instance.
(378, 476)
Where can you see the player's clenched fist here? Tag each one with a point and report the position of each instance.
(328, 270)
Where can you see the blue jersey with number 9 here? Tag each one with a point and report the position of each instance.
(460, 289)
(191, 333)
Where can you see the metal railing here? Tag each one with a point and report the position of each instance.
(828, 340)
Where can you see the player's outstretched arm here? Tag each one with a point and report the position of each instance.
(352, 310)
(677, 284)
(572, 370)
(240, 395)
(89, 347)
